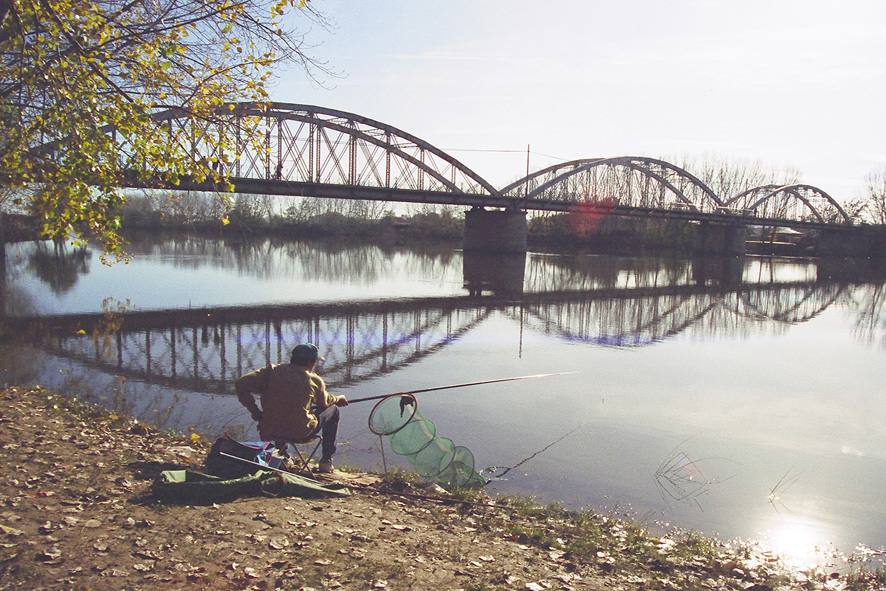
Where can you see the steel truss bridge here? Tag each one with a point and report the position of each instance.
(303, 150)
(204, 350)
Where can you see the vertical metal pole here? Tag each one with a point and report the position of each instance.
(416, 324)
(119, 349)
(526, 184)
(148, 352)
(223, 353)
(194, 348)
(268, 342)
(384, 462)
(317, 153)
(239, 352)
(238, 145)
(172, 352)
(267, 147)
(384, 341)
(350, 346)
(279, 149)
(310, 152)
(388, 161)
(522, 316)
(352, 165)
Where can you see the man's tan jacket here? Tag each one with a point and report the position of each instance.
(287, 394)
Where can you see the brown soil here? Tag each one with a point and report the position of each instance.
(76, 513)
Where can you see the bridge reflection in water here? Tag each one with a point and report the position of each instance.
(593, 300)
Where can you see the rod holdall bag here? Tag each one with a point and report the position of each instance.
(228, 468)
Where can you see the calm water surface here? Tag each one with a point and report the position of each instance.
(738, 397)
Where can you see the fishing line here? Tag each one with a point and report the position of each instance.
(414, 437)
(501, 476)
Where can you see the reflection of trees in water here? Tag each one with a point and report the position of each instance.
(18, 364)
(588, 272)
(16, 301)
(58, 266)
(327, 261)
(868, 303)
(335, 261)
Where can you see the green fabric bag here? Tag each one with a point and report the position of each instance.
(293, 485)
(196, 488)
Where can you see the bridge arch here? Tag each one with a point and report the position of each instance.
(796, 201)
(635, 322)
(791, 305)
(311, 144)
(208, 356)
(684, 187)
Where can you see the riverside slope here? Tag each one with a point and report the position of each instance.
(76, 513)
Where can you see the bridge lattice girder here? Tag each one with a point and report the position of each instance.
(795, 202)
(792, 305)
(650, 319)
(621, 323)
(208, 358)
(313, 144)
(294, 149)
(626, 180)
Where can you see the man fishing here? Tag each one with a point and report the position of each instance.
(291, 394)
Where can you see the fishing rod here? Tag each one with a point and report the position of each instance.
(464, 385)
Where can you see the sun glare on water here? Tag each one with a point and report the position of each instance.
(801, 544)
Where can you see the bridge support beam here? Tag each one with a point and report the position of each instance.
(495, 231)
(720, 239)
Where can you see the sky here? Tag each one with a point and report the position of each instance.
(788, 84)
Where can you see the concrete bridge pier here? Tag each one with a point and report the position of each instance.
(715, 238)
(495, 230)
(719, 270)
(501, 273)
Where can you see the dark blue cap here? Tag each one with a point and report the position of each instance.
(305, 354)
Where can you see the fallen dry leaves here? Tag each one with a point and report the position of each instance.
(76, 513)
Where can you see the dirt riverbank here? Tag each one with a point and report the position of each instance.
(76, 513)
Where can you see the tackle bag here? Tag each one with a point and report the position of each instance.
(229, 468)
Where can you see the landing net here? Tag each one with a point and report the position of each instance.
(414, 437)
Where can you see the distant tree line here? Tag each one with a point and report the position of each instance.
(299, 215)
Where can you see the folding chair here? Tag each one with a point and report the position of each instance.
(303, 459)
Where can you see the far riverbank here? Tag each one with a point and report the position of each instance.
(558, 232)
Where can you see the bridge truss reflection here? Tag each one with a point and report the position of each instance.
(206, 350)
(208, 356)
(648, 319)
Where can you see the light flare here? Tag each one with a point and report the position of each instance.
(801, 544)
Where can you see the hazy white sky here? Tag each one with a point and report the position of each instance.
(788, 83)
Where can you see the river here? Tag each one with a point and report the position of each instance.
(738, 397)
